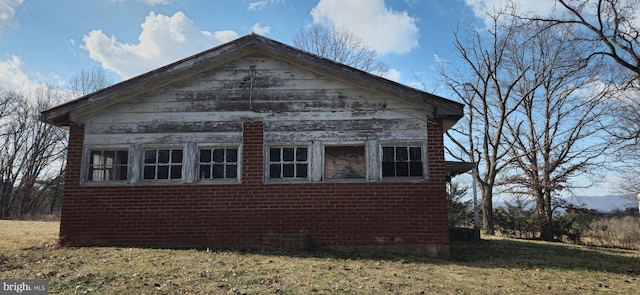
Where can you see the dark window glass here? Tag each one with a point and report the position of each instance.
(288, 170)
(301, 154)
(218, 171)
(163, 156)
(176, 156)
(232, 155)
(402, 161)
(387, 154)
(218, 155)
(150, 156)
(149, 172)
(274, 155)
(205, 155)
(163, 164)
(274, 171)
(205, 171)
(402, 154)
(176, 172)
(232, 171)
(301, 170)
(287, 154)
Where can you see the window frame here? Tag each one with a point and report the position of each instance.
(183, 163)
(87, 167)
(212, 147)
(395, 144)
(267, 162)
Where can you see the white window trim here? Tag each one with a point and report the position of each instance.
(85, 167)
(310, 162)
(217, 180)
(423, 154)
(187, 160)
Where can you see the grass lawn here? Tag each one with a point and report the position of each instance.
(494, 266)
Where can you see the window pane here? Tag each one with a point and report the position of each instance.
(163, 172)
(218, 155)
(415, 153)
(121, 173)
(218, 171)
(388, 169)
(150, 156)
(288, 170)
(205, 155)
(122, 157)
(232, 155)
(109, 157)
(176, 156)
(95, 158)
(149, 172)
(301, 170)
(176, 171)
(163, 156)
(274, 154)
(301, 154)
(232, 171)
(402, 154)
(274, 171)
(415, 169)
(287, 154)
(402, 169)
(387, 154)
(205, 171)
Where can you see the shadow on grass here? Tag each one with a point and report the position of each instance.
(503, 253)
(524, 254)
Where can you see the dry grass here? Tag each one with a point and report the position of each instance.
(493, 266)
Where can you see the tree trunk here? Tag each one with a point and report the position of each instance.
(487, 211)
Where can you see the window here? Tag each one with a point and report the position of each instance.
(402, 161)
(108, 165)
(345, 162)
(288, 162)
(218, 163)
(163, 164)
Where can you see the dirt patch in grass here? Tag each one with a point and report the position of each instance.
(493, 266)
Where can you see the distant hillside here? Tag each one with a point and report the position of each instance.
(605, 203)
(600, 203)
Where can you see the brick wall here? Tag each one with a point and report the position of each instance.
(388, 216)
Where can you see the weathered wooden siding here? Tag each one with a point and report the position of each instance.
(295, 104)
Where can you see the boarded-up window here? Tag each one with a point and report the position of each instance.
(345, 162)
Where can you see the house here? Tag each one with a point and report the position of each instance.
(255, 143)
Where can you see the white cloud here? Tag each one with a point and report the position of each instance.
(257, 5)
(381, 28)
(148, 2)
(259, 29)
(7, 11)
(163, 39)
(14, 78)
(538, 7)
(393, 75)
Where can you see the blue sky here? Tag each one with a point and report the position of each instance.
(48, 42)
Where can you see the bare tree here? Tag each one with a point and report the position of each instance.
(340, 45)
(29, 152)
(553, 136)
(610, 30)
(89, 81)
(486, 84)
